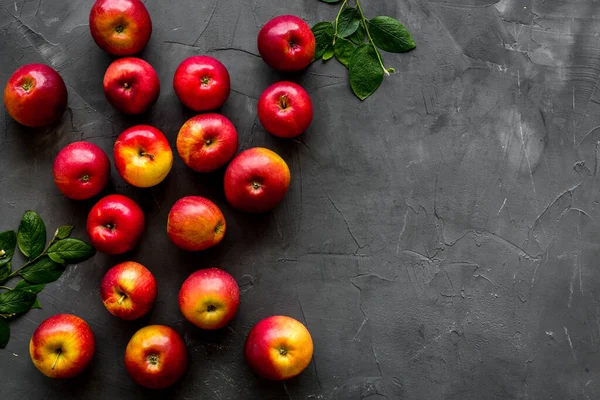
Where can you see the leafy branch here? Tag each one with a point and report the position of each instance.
(45, 264)
(355, 42)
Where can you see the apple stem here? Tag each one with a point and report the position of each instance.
(122, 298)
(56, 359)
(144, 154)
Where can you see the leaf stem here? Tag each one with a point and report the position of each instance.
(28, 263)
(338, 17)
(364, 22)
(5, 287)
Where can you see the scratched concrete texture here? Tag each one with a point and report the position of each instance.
(439, 240)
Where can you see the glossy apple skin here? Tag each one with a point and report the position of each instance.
(81, 170)
(156, 357)
(35, 95)
(256, 180)
(207, 142)
(132, 16)
(128, 290)
(131, 85)
(202, 83)
(285, 109)
(209, 298)
(278, 348)
(115, 224)
(143, 156)
(195, 224)
(286, 43)
(67, 335)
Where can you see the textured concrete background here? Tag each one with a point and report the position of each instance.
(439, 240)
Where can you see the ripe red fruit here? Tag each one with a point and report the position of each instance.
(195, 224)
(81, 170)
(286, 43)
(35, 95)
(120, 27)
(131, 85)
(115, 224)
(202, 83)
(285, 109)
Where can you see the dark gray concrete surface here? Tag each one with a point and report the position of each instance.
(439, 240)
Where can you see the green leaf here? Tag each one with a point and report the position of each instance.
(8, 242)
(5, 271)
(366, 73)
(36, 304)
(4, 333)
(68, 251)
(24, 285)
(16, 301)
(390, 35)
(359, 36)
(343, 51)
(323, 32)
(328, 53)
(44, 270)
(63, 232)
(32, 235)
(348, 22)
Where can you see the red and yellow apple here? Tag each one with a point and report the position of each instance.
(35, 95)
(285, 109)
(131, 85)
(62, 346)
(278, 348)
(209, 298)
(143, 156)
(256, 180)
(120, 27)
(128, 290)
(156, 357)
(207, 142)
(286, 43)
(81, 170)
(195, 224)
(115, 224)
(202, 83)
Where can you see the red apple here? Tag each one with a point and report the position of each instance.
(62, 346)
(156, 357)
(143, 156)
(128, 290)
(195, 224)
(201, 83)
(207, 142)
(131, 85)
(286, 43)
(35, 95)
(81, 170)
(115, 224)
(209, 298)
(278, 348)
(120, 27)
(285, 109)
(256, 180)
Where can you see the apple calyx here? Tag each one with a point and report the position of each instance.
(205, 80)
(211, 308)
(26, 86)
(85, 178)
(58, 353)
(119, 29)
(153, 359)
(255, 185)
(126, 85)
(282, 351)
(109, 226)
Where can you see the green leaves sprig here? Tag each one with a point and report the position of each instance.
(44, 265)
(355, 41)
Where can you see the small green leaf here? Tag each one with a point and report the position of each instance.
(36, 304)
(348, 22)
(359, 36)
(24, 285)
(391, 70)
(323, 32)
(63, 232)
(8, 242)
(43, 270)
(366, 73)
(4, 333)
(32, 235)
(5, 271)
(390, 35)
(68, 251)
(16, 301)
(343, 51)
(328, 53)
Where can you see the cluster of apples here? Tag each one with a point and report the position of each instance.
(256, 180)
